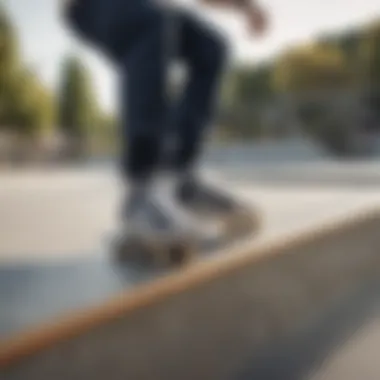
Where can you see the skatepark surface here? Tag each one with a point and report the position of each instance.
(54, 258)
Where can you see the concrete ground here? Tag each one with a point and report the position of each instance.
(61, 214)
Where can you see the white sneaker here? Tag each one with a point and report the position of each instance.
(149, 218)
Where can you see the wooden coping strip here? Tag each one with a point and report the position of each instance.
(23, 345)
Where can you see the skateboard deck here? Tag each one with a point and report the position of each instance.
(163, 255)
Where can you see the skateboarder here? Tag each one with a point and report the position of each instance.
(141, 37)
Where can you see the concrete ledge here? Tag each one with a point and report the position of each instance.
(202, 322)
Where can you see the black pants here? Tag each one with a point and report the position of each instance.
(142, 38)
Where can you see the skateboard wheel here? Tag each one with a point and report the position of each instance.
(131, 250)
(179, 254)
(160, 254)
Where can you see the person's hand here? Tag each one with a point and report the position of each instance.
(257, 20)
(256, 16)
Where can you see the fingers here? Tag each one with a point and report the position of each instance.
(257, 22)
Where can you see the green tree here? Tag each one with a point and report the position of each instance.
(348, 44)
(33, 106)
(246, 92)
(9, 66)
(370, 68)
(78, 108)
(370, 55)
(249, 84)
(26, 106)
(311, 68)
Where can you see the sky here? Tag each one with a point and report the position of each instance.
(45, 40)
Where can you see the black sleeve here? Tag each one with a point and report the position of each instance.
(77, 17)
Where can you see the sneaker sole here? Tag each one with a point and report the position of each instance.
(158, 252)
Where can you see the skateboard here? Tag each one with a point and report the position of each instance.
(176, 253)
(159, 253)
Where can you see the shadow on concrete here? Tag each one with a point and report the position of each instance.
(33, 294)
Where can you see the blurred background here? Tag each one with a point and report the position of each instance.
(313, 81)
